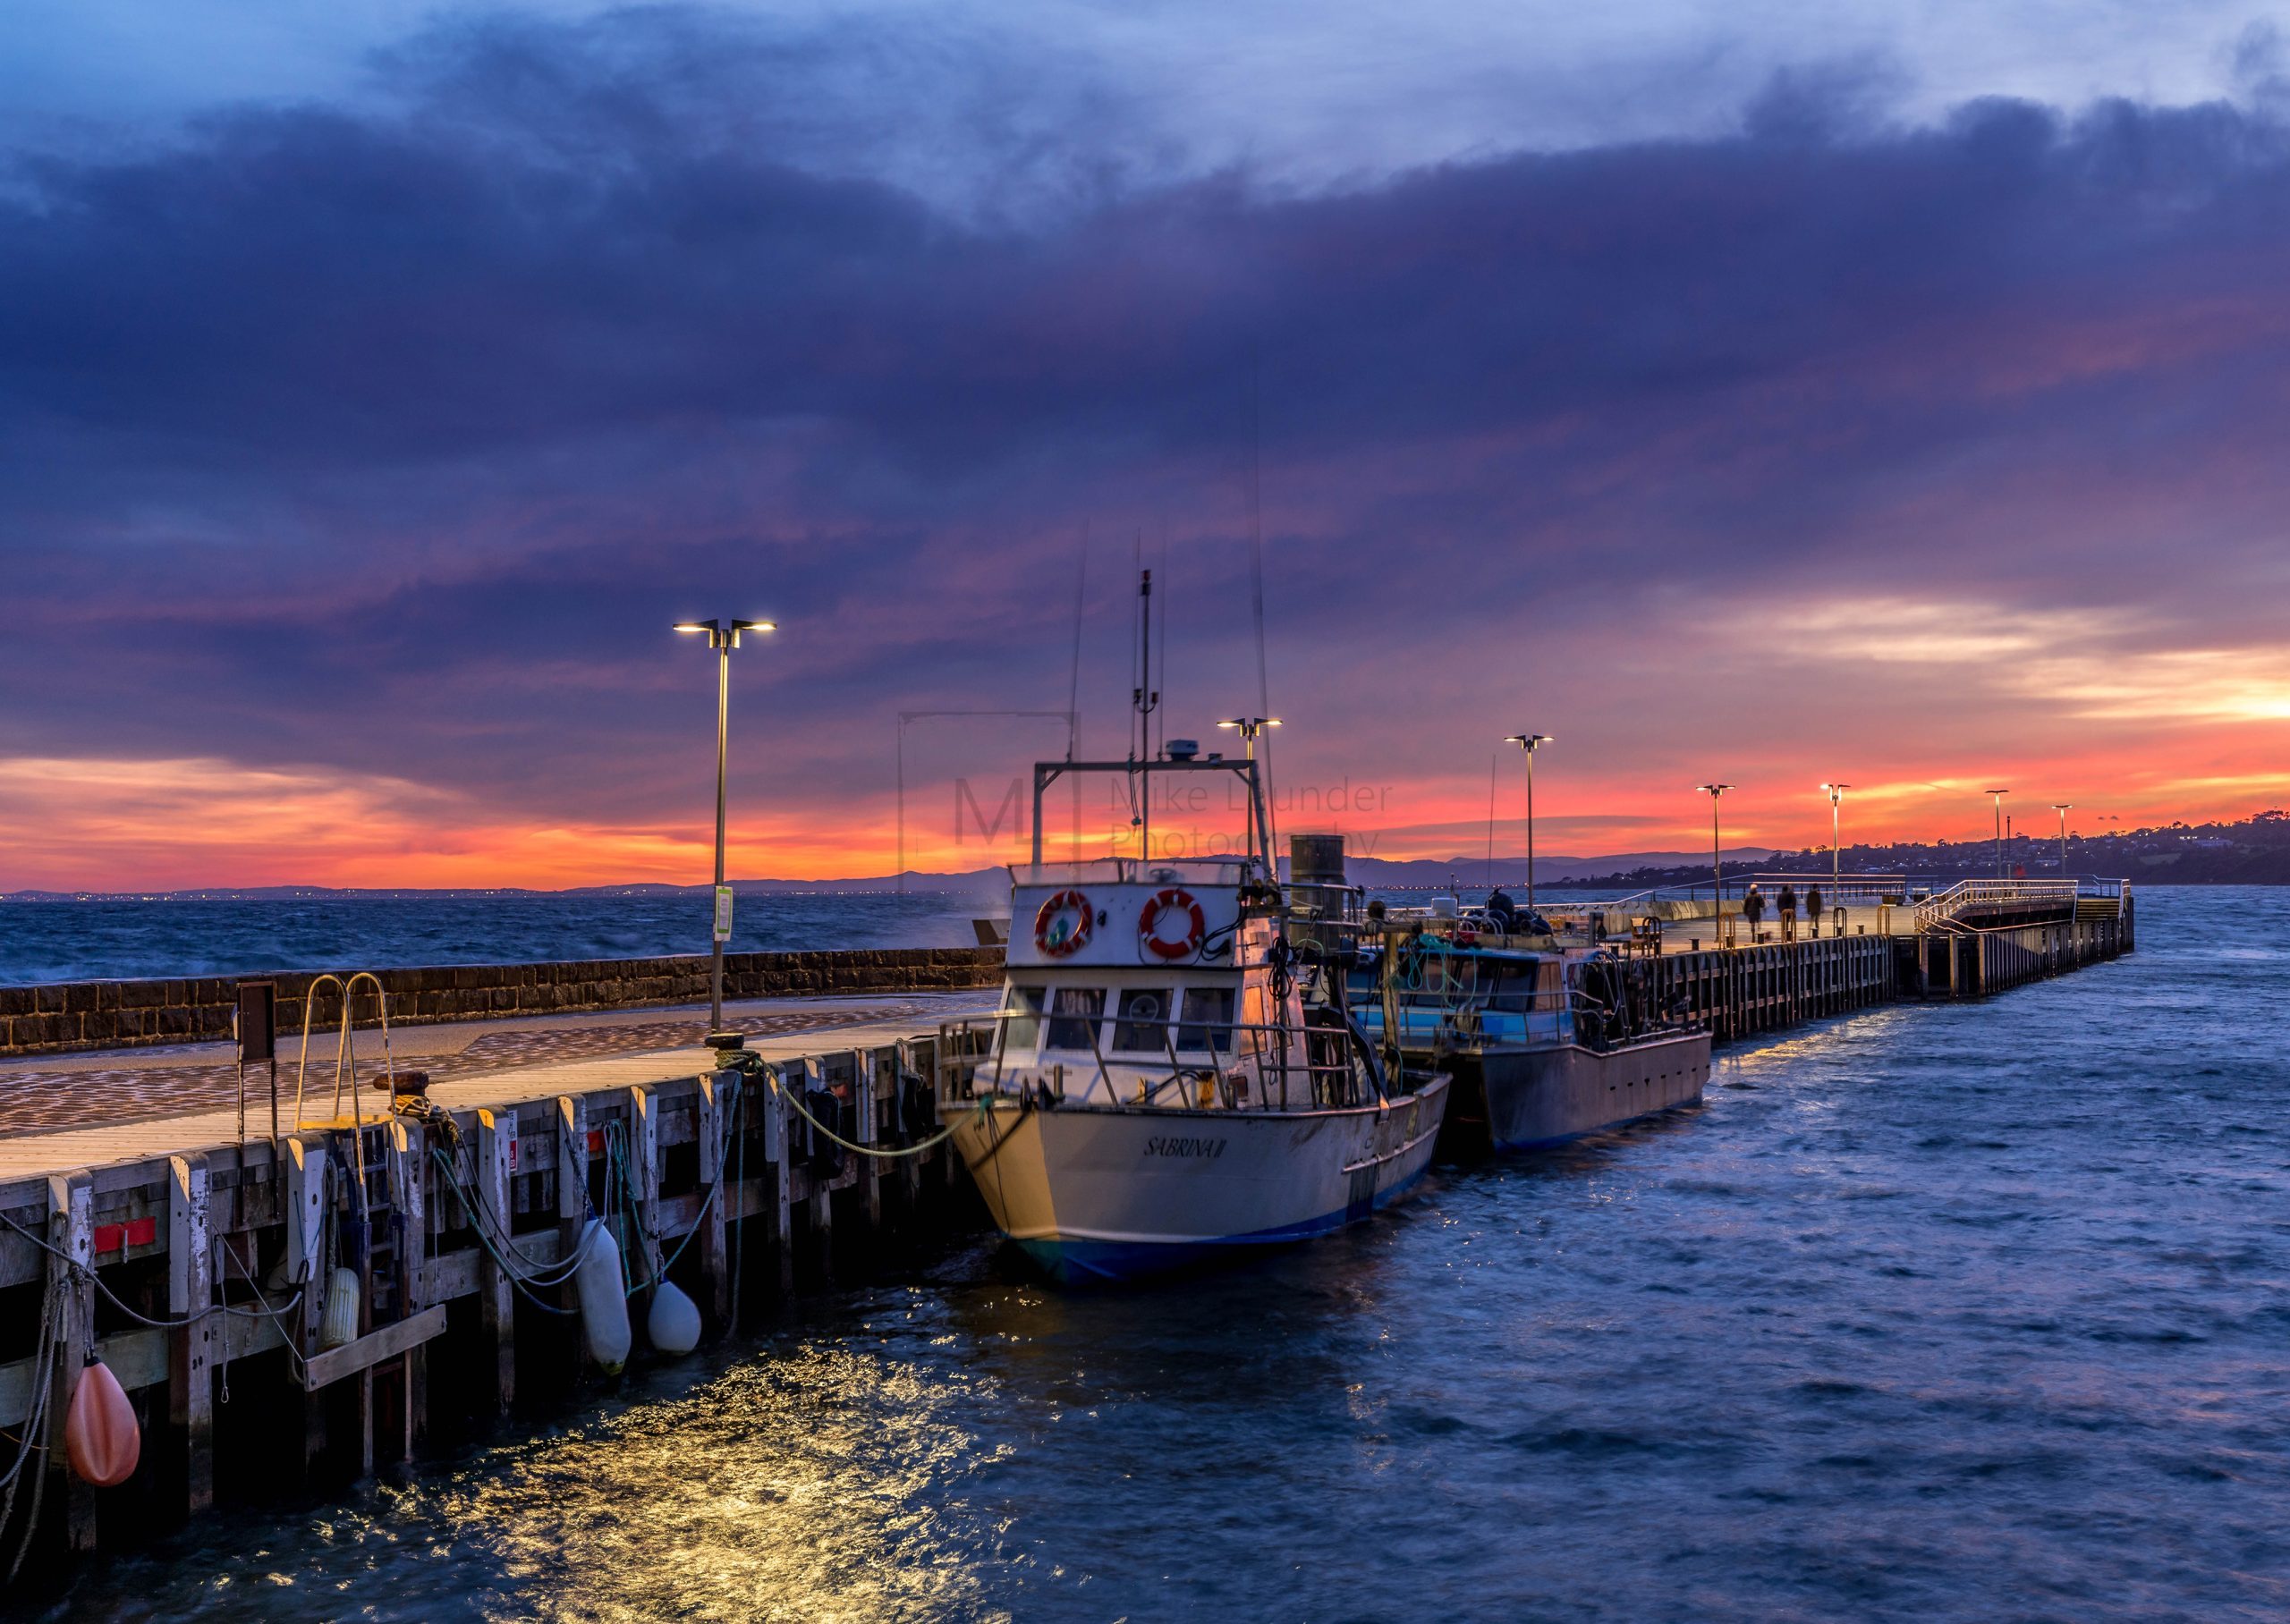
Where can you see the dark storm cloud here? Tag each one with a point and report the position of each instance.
(564, 237)
(598, 324)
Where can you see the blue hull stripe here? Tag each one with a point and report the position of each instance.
(1079, 1262)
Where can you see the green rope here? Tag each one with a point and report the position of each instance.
(523, 1283)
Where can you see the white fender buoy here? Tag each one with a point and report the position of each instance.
(100, 1437)
(604, 1306)
(674, 1325)
(340, 1325)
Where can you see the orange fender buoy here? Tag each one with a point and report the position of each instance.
(100, 1434)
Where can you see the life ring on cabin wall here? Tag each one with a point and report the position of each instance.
(1163, 904)
(1063, 924)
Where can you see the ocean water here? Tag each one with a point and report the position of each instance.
(131, 938)
(1973, 1312)
(126, 939)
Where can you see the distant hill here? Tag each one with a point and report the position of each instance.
(2255, 852)
(1420, 874)
(1471, 874)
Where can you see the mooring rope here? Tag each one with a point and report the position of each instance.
(87, 1273)
(528, 1285)
(916, 1149)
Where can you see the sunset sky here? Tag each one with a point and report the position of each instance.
(1750, 393)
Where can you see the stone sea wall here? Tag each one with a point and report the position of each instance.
(116, 1014)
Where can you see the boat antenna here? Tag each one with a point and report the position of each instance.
(1256, 601)
(1136, 677)
(1073, 686)
(1161, 726)
(1073, 681)
(1145, 699)
(1493, 757)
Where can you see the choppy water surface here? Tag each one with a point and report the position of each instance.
(125, 937)
(1949, 1312)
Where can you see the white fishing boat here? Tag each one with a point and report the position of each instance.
(1169, 1078)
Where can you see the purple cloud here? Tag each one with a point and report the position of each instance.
(391, 438)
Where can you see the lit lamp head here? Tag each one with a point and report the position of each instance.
(1249, 727)
(726, 634)
(1529, 743)
(1713, 790)
(1835, 791)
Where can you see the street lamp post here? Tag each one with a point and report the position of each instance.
(1249, 727)
(2063, 808)
(722, 637)
(1835, 794)
(1531, 743)
(1717, 863)
(1999, 795)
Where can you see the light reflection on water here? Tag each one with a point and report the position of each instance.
(1964, 1313)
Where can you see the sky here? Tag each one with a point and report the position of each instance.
(1773, 394)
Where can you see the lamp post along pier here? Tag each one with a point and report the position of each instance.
(1836, 798)
(1717, 859)
(722, 637)
(1530, 743)
(1249, 727)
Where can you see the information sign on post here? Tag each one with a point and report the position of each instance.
(257, 1029)
(722, 913)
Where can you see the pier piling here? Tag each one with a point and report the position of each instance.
(190, 1297)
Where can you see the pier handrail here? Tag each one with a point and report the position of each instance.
(1871, 889)
(345, 1057)
(1939, 912)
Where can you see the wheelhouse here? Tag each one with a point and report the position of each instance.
(1444, 993)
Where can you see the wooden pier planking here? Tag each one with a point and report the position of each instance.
(205, 1187)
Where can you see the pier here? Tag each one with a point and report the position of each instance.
(153, 1246)
(191, 1252)
(1970, 940)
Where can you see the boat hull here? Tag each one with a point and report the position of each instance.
(1543, 1096)
(1099, 1193)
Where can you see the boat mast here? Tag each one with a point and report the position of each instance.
(1144, 700)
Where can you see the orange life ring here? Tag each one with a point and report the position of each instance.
(1149, 925)
(1059, 942)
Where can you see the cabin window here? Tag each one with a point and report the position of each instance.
(1208, 1018)
(1142, 1020)
(1025, 1007)
(1073, 1016)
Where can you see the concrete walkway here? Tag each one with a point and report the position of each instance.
(48, 1094)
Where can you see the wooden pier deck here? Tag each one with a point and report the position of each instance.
(155, 1245)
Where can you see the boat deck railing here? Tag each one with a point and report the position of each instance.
(1242, 1063)
(1206, 872)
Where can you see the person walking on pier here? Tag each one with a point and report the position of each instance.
(1813, 908)
(1788, 912)
(1752, 908)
